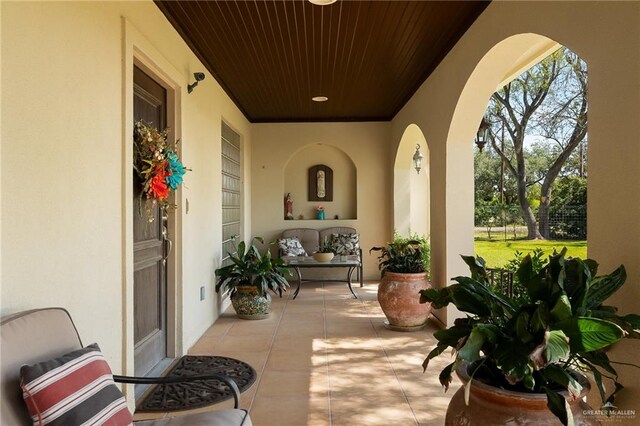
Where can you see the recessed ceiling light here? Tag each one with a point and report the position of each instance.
(322, 2)
(319, 99)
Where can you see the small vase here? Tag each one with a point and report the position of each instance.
(320, 214)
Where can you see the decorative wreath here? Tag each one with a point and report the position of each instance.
(156, 162)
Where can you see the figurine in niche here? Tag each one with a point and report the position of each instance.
(288, 207)
(336, 217)
(320, 185)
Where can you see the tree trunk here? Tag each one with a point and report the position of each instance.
(543, 217)
(527, 213)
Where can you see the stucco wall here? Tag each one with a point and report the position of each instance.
(64, 146)
(449, 105)
(366, 144)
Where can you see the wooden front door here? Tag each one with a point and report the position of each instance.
(149, 243)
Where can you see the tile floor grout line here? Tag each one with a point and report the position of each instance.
(326, 353)
(386, 356)
(264, 367)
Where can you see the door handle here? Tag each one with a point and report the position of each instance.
(168, 245)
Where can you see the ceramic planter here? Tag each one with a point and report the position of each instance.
(489, 405)
(249, 304)
(398, 295)
(323, 257)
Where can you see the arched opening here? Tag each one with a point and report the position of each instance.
(344, 200)
(499, 65)
(530, 162)
(411, 213)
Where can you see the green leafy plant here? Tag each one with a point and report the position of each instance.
(404, 255)
(518, 290)
(251, 268)
(326, 247)
(535, 346)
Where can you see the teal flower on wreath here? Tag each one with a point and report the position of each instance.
(176, 170)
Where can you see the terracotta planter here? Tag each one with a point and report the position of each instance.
(248, 304)
(323, 257)
(489, 405)
(398, 295)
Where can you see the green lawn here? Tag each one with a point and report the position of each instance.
(497, 252)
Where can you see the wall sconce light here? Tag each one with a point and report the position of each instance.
(199, 76)
(483, 133)
(417, 159)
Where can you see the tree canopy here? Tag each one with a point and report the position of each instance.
(538, 132)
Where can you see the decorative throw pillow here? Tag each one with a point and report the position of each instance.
(77, 388)
(291, 247)
(345, 243)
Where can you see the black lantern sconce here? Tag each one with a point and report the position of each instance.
(199, 76)
(483, 134)
(417, 159)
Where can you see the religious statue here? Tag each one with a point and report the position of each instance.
(320, 184)
(288, 207)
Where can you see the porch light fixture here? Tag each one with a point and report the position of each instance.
(319, 99)
(199, 76)
(483, 133)
(417, 159)
(322, 2)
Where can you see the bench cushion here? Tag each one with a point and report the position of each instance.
(28, 338)
(228, 417)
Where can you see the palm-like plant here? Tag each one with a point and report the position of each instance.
(535, 344)
(251, 268)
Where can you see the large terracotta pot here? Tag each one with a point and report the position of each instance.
(249, 304)
(398, 295)
(489, 406)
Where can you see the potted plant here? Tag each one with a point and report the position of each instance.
(249, 278)
(325, 252)
(404, 265)
(518, 356)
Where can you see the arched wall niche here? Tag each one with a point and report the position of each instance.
(411, 195)
(345, 197)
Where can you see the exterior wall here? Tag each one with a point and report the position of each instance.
(65, 143)
(273, 147)
(449, 106)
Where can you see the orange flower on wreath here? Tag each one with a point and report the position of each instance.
(158, 186)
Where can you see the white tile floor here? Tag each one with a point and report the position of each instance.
(327, 359)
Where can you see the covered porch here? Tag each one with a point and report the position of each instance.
(67, 210)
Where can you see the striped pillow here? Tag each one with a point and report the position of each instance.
(77, 388)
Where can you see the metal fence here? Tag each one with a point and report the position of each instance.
(565, 223)
(568, 223)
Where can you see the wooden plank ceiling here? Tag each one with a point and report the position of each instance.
(367, 57)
